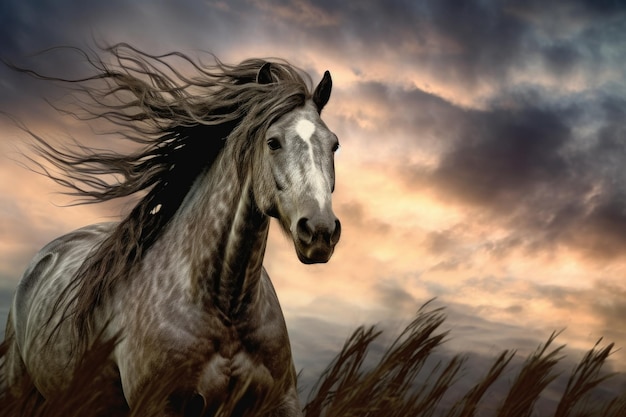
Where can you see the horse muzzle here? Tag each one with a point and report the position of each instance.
(315, 238)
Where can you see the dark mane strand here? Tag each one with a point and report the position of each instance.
(181, 122)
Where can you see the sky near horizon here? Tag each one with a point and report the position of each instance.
(482, 161)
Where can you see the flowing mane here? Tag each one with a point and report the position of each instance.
(179, 283)
(181, 122)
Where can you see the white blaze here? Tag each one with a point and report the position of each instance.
(305, 129)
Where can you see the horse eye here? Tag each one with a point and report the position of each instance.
(274, 144)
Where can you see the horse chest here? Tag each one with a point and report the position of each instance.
(218, 358)
(222, 376)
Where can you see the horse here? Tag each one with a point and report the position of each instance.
(179, 282)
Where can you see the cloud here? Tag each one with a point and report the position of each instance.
(505, 312)
(482, 154)
(526, 159)
(502, 155)
(296, 12)
(395, 298)
(604, 300)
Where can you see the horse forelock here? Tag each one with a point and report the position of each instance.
(182, 123)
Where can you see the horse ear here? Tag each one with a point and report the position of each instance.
(264, 76)
(322, 92)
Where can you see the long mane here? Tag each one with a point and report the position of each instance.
(181, 123)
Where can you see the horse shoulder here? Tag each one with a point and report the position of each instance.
(59, 258)
(46, 277)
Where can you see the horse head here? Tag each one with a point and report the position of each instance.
(297, 175)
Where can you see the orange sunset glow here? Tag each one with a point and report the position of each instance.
(482, 159)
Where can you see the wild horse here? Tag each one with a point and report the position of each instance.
(180, 281)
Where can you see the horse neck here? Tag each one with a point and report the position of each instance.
(222, 237)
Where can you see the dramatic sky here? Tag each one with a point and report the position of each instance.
(482, 162)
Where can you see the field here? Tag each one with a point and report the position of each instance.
(409, 378)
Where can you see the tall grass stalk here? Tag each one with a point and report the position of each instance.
(405, 381)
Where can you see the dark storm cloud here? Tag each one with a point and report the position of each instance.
(459, 42)
(527, 165)
(551, 168)
(486, 155)
(496, 37)
(476, 42)
(28, 28)
(505, 152)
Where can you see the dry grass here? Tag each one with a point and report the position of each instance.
(404, 381)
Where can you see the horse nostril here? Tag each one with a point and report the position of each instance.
(305, 232)
(334, 237)
(308, 232)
